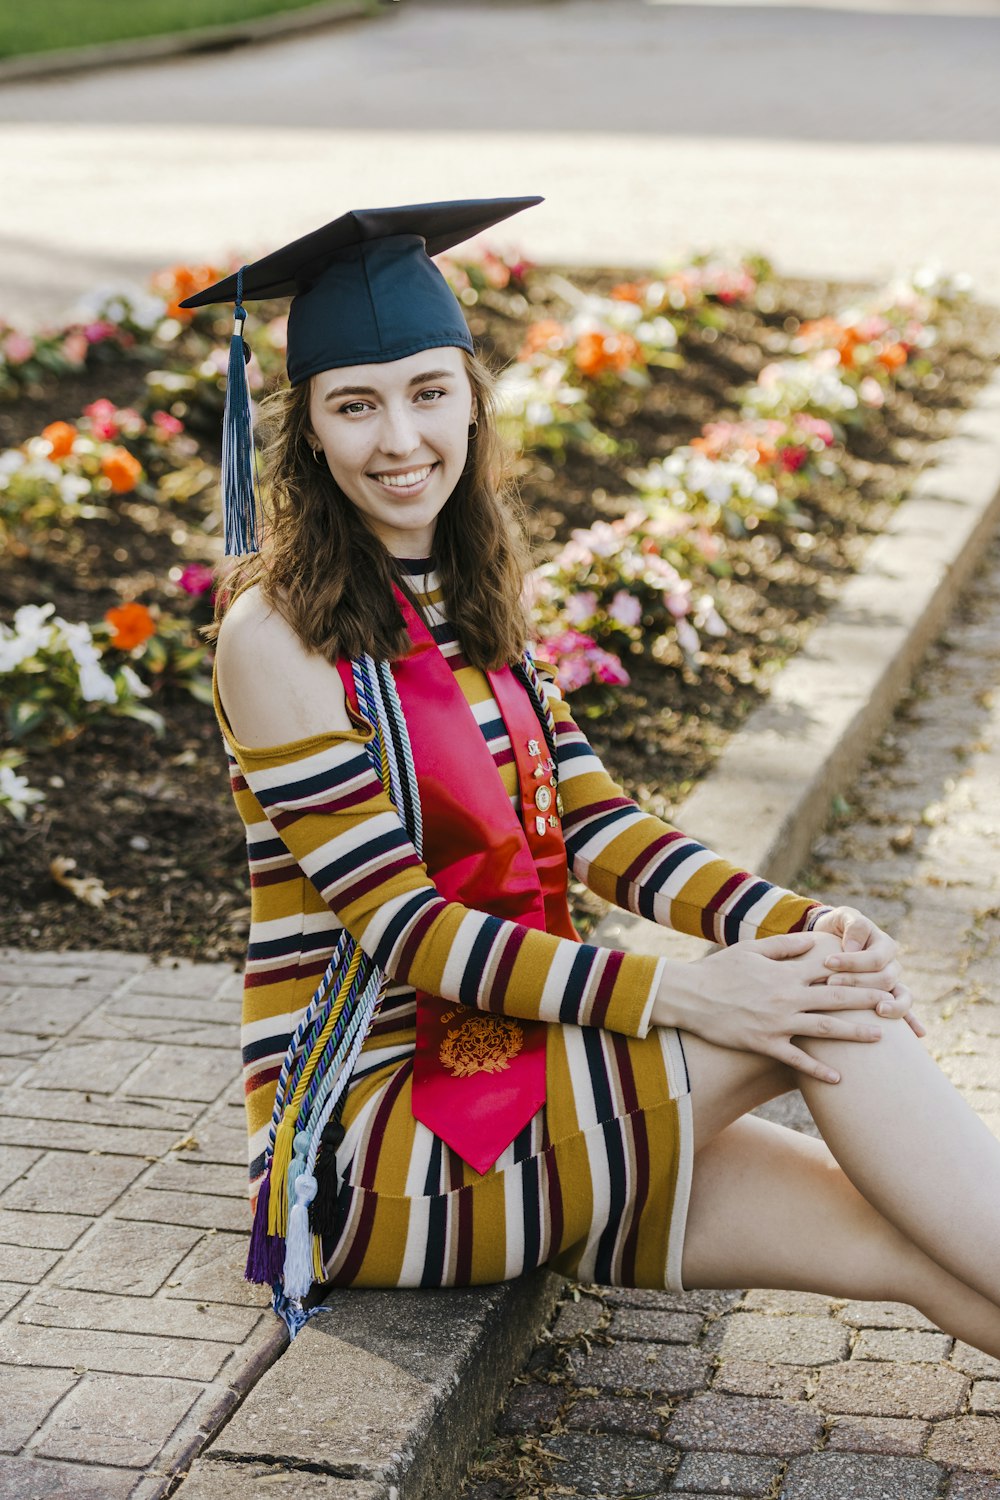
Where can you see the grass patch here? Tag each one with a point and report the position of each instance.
(54, 25)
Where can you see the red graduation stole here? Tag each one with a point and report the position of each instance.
(479, 1077)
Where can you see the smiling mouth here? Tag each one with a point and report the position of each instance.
(405, 483)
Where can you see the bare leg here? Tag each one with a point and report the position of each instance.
(915, 1149)
(904, 1136)
(771, 1208)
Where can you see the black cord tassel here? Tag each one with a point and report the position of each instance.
(324, 1214)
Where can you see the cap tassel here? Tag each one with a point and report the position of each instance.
(240, 491)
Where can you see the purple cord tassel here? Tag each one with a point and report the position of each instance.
(266, 1256)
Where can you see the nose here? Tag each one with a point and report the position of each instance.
(399, 434)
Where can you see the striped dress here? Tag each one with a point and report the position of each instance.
(596, 1184)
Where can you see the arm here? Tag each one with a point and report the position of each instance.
(329, 809)
(647, 866)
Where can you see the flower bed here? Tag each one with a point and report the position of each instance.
(707, 450)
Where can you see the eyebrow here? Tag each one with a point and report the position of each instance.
(369, 390)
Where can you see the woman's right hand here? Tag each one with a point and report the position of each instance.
(757, 996)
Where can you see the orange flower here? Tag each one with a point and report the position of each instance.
(893, 356)
(541, 335)
(627, 291)
(132, 624)
(123, 471)
(597, 352)
(177, 282)
(61, 436)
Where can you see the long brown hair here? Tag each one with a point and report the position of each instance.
(331, 577)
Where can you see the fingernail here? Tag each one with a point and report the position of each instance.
(883, 1008)
(832, 962)
(832, 1077)
(873, 1033)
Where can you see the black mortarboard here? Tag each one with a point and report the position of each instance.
(364, 290)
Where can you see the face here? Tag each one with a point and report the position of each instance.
(395, 437)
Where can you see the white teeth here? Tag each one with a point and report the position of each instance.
(403, 481)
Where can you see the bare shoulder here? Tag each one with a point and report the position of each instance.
(274, 689)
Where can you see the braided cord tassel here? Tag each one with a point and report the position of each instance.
(240, 482)
(525, 669)
(328, 1039)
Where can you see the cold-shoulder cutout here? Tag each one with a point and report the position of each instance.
(308, 742)
(257, 646)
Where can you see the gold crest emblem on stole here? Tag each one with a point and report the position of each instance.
(482, 1044)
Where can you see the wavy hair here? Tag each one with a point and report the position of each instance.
(331, 577)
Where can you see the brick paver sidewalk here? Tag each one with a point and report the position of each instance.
(721, 1393)
(127, 1331)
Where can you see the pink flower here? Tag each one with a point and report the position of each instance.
(608, 668)
(580, 607)
(678, 603)
(196, 578)
(562, 642)
(103, 418)
(625, 609)
(96, 333)
(572, 672)
(75, 346)
(164, 422)
(17, 348)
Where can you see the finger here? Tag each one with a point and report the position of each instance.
(832, 1028)
(784, 944)
(795, 1058)
(857, 932)
(881, 952)
(853, 997)
(883, 979)
(915, 1024)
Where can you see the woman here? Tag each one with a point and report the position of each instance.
(388, 855)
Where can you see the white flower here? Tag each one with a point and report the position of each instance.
(30, 634)
(95, 684)
(115, 304)
(15, 793)
(73, 487)
(11, 460)
(134, 683)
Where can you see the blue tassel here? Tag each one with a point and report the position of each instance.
(239, 496)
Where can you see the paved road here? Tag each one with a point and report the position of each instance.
(846, 142)
(836, 1401)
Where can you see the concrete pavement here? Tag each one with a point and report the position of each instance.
(128, 1334)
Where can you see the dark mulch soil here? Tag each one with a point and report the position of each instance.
(153, 818)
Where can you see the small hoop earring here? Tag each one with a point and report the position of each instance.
(316, 454)
(473, 427)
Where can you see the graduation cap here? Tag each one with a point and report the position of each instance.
(364, 290)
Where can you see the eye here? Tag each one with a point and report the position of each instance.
(347, 405)
(434, 392)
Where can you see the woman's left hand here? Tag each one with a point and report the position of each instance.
(868, 953)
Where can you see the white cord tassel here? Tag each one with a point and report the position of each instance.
(298, 1273)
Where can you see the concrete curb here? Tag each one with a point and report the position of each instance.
(768, 796)
(176, 43)
(384, 1396)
